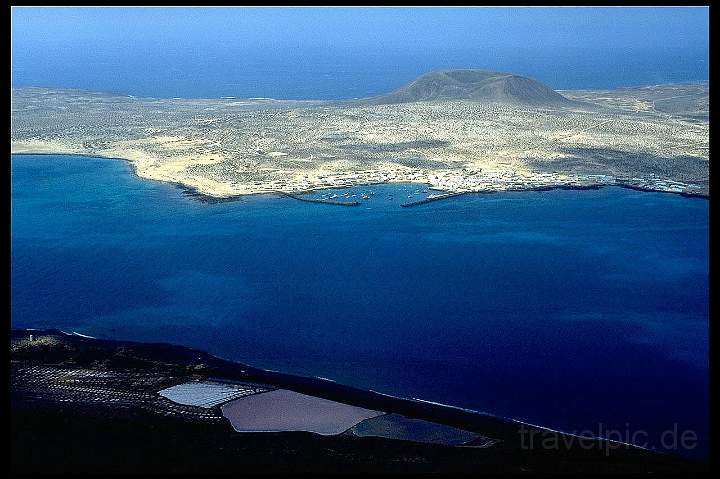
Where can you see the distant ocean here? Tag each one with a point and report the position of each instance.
(575, 310)
(298, 74)
(336, 53)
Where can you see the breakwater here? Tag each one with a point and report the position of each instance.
(430, 199)
(318, 200)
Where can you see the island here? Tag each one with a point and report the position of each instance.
(457, 131)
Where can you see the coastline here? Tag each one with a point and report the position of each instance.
(205, 197)
(75, 398)
(215, 368)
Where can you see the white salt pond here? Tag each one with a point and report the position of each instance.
(208, 393)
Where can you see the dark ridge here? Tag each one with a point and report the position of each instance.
(90, 436)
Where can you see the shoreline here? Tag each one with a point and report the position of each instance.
(194, 192)
(72, 396)
(225, 370)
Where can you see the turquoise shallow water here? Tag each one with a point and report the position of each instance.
(577, 310)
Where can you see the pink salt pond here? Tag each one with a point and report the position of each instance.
(283, 410)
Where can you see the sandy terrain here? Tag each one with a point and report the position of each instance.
(652, 138)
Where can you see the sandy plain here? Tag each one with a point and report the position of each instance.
(653, 138)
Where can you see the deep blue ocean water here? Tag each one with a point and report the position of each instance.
(576, 310)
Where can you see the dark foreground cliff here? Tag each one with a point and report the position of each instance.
(80, 405)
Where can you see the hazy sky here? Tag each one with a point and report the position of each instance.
(346, 52)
